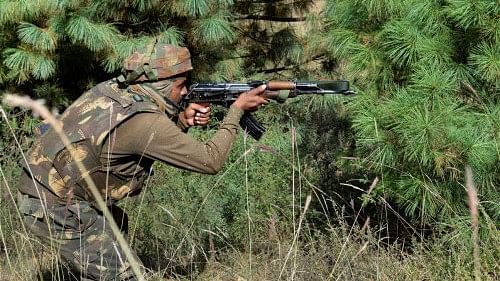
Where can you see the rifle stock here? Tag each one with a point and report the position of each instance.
(226, 93)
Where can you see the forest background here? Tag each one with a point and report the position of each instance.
(385, 169)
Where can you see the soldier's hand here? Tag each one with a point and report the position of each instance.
(196, 114)
(251, 100)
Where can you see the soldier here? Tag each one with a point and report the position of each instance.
(118, 129)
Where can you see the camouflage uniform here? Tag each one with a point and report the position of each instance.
(117, 133)
(81, 235)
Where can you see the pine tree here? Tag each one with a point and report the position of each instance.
(428, 74)
(235, 38)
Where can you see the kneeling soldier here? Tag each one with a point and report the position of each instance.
(118, 129)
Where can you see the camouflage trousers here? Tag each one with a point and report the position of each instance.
(81, 236)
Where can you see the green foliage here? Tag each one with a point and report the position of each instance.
(425, 122)
(196, 7)
(424, 82)
(9, 12)
(25, 62)
(171, 35)
(469, 14)
(106, 31)
(400, 40)
(40, 39)
(96, 37)
(485, 59)
(213, 30)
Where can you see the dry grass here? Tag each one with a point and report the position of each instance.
(290, 252)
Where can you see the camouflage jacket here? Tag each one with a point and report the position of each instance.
(88, 122)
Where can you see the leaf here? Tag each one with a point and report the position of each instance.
(9, 12)
(43, 67)
(427, 15)
(94, 36)
(18, 59)
(214, 30)
(400, 40)
(39, 38)
(379, 9)
(485, 58)
(285, 46)
(342, 42)
(423, 199)
(39, 65)
(171, 35)
(429, 79)
(466, 13)
(196, 7)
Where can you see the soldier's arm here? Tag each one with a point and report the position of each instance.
(157, 137)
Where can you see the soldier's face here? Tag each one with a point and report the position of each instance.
(179, 89)
(173, 89)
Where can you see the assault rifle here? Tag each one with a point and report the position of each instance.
(226, 93)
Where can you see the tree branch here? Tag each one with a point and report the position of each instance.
(271, 18)
(276, 69)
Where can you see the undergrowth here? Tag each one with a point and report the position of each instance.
(253, 223)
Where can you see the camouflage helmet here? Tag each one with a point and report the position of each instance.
(158, 61)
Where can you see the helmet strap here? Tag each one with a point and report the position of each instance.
(146, 69)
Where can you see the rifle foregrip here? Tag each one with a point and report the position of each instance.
(280, 85)
(252, 126)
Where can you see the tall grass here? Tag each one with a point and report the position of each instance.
(258, 226)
